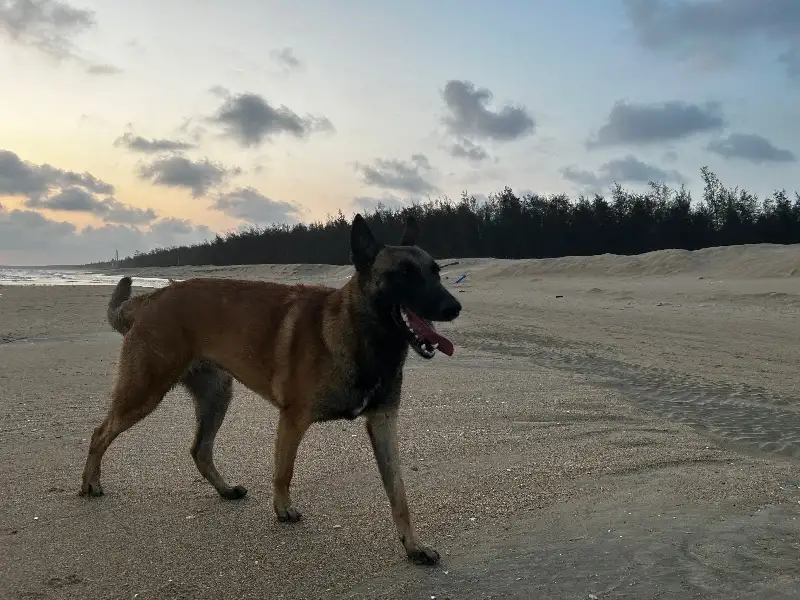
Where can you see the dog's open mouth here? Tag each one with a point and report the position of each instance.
(423, 336)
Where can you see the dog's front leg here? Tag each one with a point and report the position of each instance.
(290, 433)
(382, 430)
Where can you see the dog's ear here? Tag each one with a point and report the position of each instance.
(411, 232)
(363, 245)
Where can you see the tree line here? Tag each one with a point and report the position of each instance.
(511, 226)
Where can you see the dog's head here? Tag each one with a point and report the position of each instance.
(403, 283)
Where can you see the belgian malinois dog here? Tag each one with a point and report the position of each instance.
(316, 353)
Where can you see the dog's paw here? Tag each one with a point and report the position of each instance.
(423, 555)
(237, 492)
(289, 514)
(91, 489)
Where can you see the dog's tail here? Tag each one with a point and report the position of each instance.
(117, 317)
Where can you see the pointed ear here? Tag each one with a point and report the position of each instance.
(363, 245)
(411, 232)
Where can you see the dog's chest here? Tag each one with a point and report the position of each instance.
(370, 381)
(350, 402)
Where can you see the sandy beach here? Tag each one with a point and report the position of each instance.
(609, 427)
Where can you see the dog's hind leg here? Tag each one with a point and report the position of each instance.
(382, 430)
(142, 382)
(290, 433)
(212, 390)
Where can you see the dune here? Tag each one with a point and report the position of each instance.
(754, 261)
(740, 262)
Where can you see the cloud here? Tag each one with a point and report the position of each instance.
(750, 147)
(137, 143)
(286, 58)
(117, 212)
(181, 172)
(102, 69)
(172, 227)
(250, 120)
(29, 229)
(48, 187)
(247, 204)
(469, 115)
(464, 148)
(622, 170)
(641, 124)
(393, 174)
(75, 199)
(23, 178)
(49, 26)
(791, 61)
(27, 236)
(715, 33)
(371, 204)
(192, 128)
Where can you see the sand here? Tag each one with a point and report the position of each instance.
(609, 427)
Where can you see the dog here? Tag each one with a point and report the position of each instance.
(316, 353)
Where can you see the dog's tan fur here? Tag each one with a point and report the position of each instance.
(315, 353)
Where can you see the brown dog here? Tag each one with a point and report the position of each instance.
(318, 354)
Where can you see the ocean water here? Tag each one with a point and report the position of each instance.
(45, 276)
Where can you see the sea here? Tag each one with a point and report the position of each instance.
(65, 276)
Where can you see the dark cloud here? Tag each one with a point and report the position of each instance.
(750, 147)
(22, 178)
(28, 237)
(623, 170)
(49, 26)
(791, 61)
(181, 172)
(464, 148)
(717, 32)
(253, 207)
(393, 174)
(117, 212)
(138, 143)
(250, 120)
(469, 115)
(45, 186)
(286, 58)
(641, 124)
(76, 199)
(72, 199)
(30, 230)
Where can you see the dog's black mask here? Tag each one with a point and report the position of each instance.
(403, 281)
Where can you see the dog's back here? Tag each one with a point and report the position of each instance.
(290, 328)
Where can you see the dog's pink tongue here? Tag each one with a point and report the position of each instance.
(423, 331)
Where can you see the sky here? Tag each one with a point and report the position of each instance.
(131, 125)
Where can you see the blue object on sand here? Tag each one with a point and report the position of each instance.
(462, 278)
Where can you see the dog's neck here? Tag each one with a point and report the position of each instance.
(381, 346)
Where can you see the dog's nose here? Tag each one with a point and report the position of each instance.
(451, 309)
